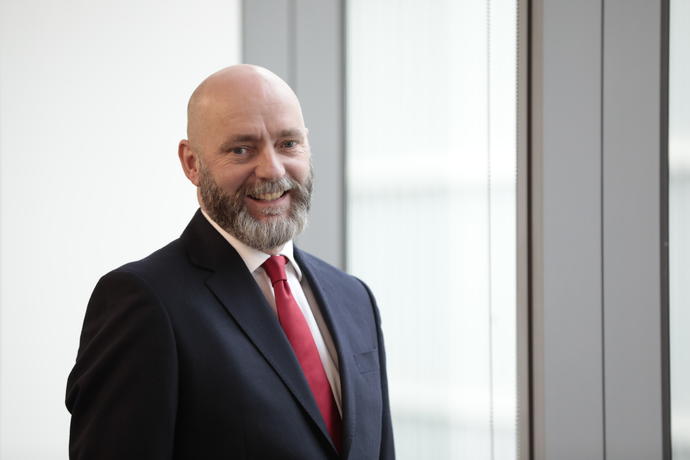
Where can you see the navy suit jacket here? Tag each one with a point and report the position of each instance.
(181, 357)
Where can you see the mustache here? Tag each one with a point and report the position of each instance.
(264, 186)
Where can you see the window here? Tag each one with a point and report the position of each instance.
(679, 226)
(431, 179)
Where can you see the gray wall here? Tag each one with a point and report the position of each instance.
(597, 246)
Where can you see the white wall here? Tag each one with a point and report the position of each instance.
(92, 105)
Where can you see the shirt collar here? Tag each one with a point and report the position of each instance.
(252, 257)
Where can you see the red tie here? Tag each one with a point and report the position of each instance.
(298, 333)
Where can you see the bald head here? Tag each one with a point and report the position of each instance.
(235, 88)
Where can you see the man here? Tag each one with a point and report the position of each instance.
(229, 342)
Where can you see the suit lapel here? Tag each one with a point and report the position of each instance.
(237, 291)
(334, 308)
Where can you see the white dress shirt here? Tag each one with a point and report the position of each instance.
(253, 259)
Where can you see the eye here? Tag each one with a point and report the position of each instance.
(239, 150)
(290, 144)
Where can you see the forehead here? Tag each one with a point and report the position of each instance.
(254, 112)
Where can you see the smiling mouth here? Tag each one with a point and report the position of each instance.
(268, 196)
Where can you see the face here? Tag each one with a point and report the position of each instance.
(251, 162)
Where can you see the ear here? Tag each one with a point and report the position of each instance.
(189, 161)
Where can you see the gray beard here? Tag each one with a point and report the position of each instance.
(232, 215)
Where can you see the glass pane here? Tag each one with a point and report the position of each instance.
(431, 214)
(679, 226)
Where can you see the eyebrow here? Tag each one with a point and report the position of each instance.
(243, 138)
(294, 132)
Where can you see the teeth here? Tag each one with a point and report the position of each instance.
(268, 196)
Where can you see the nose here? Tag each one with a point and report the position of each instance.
(269, 164)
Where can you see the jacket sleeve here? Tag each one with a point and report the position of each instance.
(122, 391)
(387, 451)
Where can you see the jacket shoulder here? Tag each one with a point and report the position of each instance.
(325, 272)
(315, 263)
(165, 263)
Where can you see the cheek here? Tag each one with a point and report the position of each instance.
(299, 170)
(230, 181)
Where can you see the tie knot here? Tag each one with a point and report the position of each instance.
(275, 268)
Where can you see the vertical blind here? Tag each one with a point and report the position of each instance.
(431, 180)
